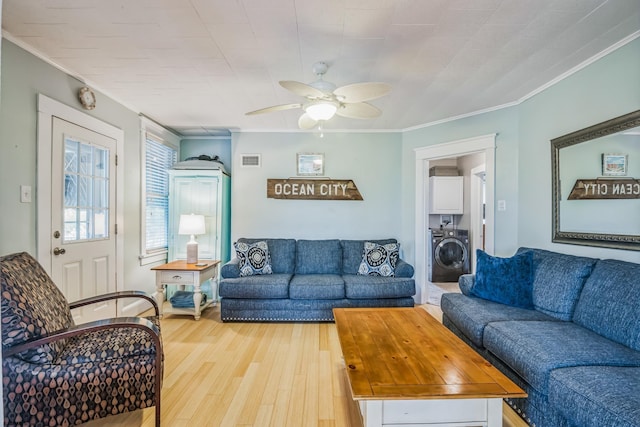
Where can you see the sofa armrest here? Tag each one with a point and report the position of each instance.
(466, 282)
(231, 270)
(403, 269)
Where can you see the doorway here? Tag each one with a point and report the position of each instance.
(424, 156)
(79, 203)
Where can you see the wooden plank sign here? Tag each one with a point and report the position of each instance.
(586, 189)
(312, 189)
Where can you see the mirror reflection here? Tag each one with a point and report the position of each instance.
(596, 185)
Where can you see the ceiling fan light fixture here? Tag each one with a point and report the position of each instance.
(321, 110)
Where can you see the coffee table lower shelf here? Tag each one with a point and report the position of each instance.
(432, 413)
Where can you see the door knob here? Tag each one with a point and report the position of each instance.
(59, 251)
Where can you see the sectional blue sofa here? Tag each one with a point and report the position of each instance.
(306, 279)
(574, 347)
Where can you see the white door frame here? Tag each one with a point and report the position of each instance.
(476, 186)
(47, 109)
(423, 155)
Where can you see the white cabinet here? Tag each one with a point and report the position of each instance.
(201, 192)
(446, 195)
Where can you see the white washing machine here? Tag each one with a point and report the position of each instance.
(448, 256)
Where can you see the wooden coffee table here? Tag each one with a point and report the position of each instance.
(406, 368)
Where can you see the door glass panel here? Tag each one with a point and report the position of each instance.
(101, 161)
(100, 193)
(70, 190)
(71, 156)
(86, 159)
(86, 191)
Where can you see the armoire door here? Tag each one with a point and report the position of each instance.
(195, 195)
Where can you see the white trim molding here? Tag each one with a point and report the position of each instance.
(423, 155)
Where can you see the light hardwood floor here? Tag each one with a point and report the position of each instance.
(253, 374)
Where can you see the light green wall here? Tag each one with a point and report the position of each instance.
(504, 122)
(605, 89)
(23, 76)
(382, 164)
(211, 147)
(372, 160)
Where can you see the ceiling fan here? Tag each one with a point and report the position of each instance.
(324, 100)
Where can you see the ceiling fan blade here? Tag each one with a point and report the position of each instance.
(360, 92)
(359, 110)
(302, 89)
(274, 108)
(306, 122)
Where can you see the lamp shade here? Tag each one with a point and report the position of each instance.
(321, 110)
(191, 224)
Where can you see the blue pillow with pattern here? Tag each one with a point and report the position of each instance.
(504, 280)
(379, 260)
(254, 258)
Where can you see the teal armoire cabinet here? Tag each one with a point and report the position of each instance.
(201, 192)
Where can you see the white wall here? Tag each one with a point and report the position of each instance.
(372, 160)
(465, 165)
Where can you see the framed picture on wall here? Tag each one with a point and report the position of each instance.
(614, 164)
(310, 164)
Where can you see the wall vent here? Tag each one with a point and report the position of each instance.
(251, 161)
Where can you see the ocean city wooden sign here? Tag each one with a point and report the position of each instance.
(587, 189)
(313, 189)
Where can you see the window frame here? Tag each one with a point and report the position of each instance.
(151, 130)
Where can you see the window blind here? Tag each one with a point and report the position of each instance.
(158, 159)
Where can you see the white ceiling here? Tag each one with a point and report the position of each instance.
(198, 65)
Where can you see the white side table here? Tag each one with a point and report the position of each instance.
(180, 273)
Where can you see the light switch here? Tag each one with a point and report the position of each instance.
(25, 193)
(502, 205)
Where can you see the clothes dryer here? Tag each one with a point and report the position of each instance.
(448, 255)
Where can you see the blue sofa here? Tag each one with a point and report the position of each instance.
(576, 352)
(307, 279)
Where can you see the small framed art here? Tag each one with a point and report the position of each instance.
(310, 164)
(614, 164)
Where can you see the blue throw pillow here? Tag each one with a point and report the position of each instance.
(505, 280)
(379, 260)
(254, 258)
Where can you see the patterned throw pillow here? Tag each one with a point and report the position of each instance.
(254, 258)
(379, 260)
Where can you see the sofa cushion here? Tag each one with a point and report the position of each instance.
(282, 253)
(367, 287)
(504, 280)
(596, 396)
(254, 258)
(557, 281)
(610, 302)
(352, 253)
(259, 287)
(534, 348)
(318, 257)
(316, 286)
(379, 260)
(471, 315)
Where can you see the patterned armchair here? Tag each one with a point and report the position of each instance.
(57, 373)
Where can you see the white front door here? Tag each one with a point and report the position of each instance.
(83, 216)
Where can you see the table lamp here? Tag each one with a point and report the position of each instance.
(191, 225)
